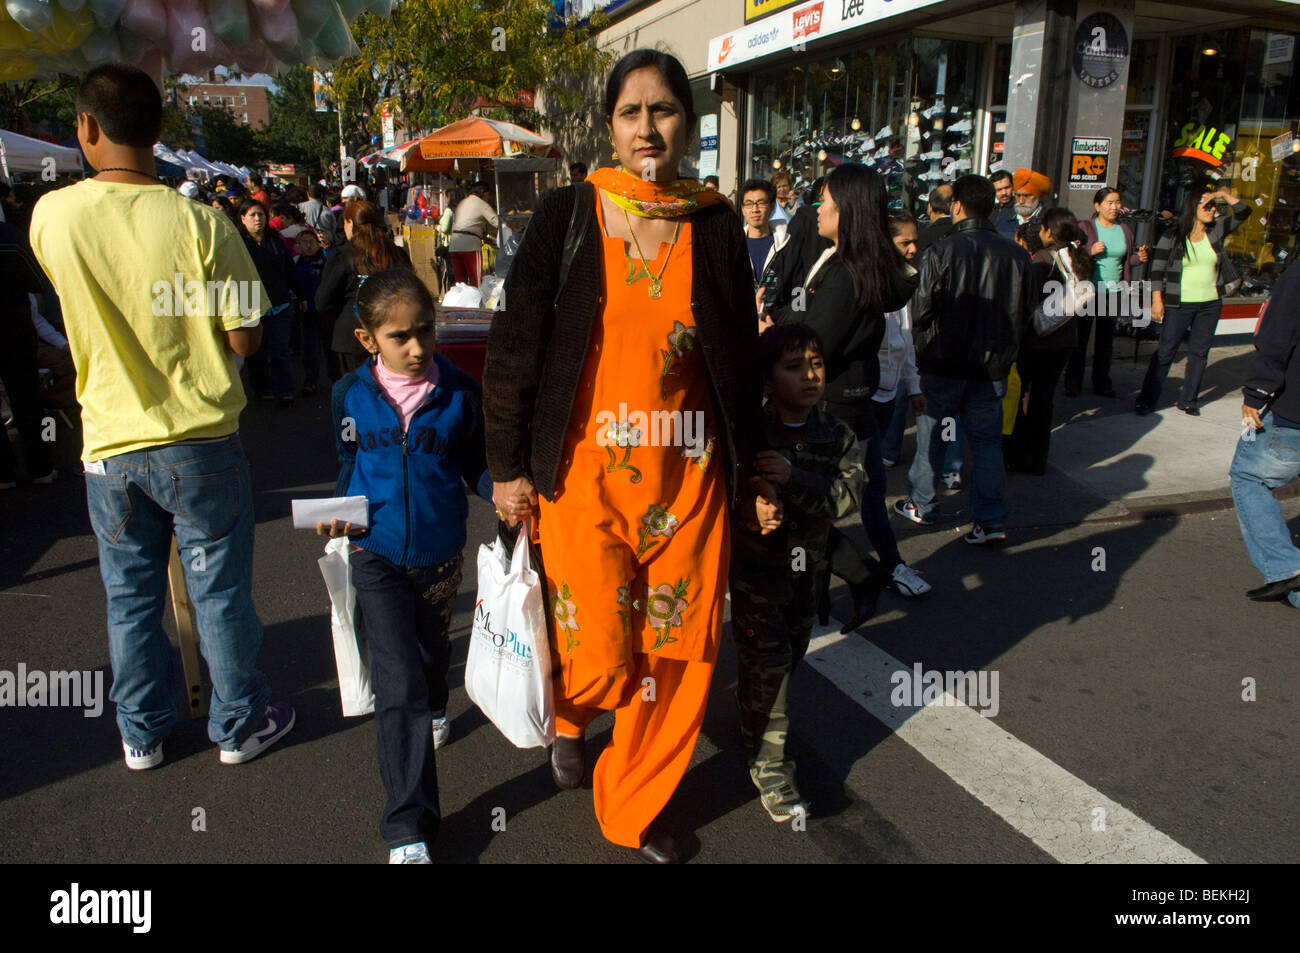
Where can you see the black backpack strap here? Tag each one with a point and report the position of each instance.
(584, 206)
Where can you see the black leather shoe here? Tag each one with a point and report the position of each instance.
(1274, 590)
(865, 597)
(659, 848)
(1142, 409)
(1105, 392)
(568, 761)
(1190, 411)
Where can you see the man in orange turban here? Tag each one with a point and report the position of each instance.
(1030, 189)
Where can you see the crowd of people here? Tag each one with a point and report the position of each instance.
(800, 331)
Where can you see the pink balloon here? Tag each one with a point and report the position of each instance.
(184, 18)
(277, 26)
(146, 17)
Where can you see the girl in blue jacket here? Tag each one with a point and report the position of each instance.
(408, 426)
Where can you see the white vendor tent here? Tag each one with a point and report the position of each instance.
(25, 154)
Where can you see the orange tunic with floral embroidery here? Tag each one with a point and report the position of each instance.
(636, 542)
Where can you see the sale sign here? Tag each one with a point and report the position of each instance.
(1089, 162)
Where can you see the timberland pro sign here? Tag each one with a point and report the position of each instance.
(1196, 140)
(1100, 50)
(1089, 162)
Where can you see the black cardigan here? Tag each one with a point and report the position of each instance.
(850, 336)
(538, 345)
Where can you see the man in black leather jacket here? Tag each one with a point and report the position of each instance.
(974, 297)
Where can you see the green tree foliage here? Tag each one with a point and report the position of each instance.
(296, 132)
(47, 105)
(436, 58)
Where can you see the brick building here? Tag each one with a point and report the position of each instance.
(248, 105)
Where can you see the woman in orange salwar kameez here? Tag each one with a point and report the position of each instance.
(633, 405)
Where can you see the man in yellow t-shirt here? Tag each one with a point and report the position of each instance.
(159, 294)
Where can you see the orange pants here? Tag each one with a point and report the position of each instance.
(652, 743)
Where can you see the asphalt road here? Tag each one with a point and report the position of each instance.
(1130, 679)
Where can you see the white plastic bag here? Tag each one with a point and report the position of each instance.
(508, 672)
(462, 296)
(354, 676)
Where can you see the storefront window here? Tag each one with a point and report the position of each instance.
(694, 163)
(1234, 119)
(905, 108)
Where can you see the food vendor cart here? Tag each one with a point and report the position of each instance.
(521, 165)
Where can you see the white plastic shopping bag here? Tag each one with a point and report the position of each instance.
(354, 677)
(508, 672)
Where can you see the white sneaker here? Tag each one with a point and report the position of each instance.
(963, 126)
(410, 854)
(138, 759)
(952, 481)
(908, 582)
(441, 731)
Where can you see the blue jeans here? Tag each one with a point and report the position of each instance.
(891, 441)
(1261, 465)
(272, 366)
(201, 493)
(976, 406)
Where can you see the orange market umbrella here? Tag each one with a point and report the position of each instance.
(477, 138)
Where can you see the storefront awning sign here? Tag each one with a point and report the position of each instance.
(1100, 50)
(802, 24)
(1199, 141)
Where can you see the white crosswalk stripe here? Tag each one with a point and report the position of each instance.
(1037, 797)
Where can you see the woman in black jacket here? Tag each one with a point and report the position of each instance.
(846, 294)
(631, 294)
(368, 250)
(280, 283)
(1042, 358)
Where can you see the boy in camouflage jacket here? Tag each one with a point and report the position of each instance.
(815, 460)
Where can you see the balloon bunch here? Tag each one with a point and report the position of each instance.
(44, 37)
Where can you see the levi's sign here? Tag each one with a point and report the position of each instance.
(777, 34)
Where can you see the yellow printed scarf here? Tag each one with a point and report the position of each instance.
(654, 199)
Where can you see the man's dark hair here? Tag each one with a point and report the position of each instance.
(578, 167)
(759, 185)
(255, 180)
(899, 221)
(781, 339)
(317, 191)
(941, 199)
(124, 102)
(999, 175)
(976, 195)
(714, 180)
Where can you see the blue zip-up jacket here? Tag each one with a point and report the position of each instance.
(412, 479)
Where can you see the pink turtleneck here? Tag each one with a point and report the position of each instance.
(406, 394)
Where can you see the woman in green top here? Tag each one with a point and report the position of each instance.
(1115, 253)
(1187, 279)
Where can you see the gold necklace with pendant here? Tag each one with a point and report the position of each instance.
(656, 286)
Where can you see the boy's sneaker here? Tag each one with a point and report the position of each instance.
(140, 759)
(907, 509)
(410, 854)
(981, 535)
(275, 725)
(952, 481)
(908, 582)
(783, 802)
(441, 731)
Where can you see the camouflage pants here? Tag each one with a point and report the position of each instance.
(772, 615)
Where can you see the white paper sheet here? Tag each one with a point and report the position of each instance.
(346, 509)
